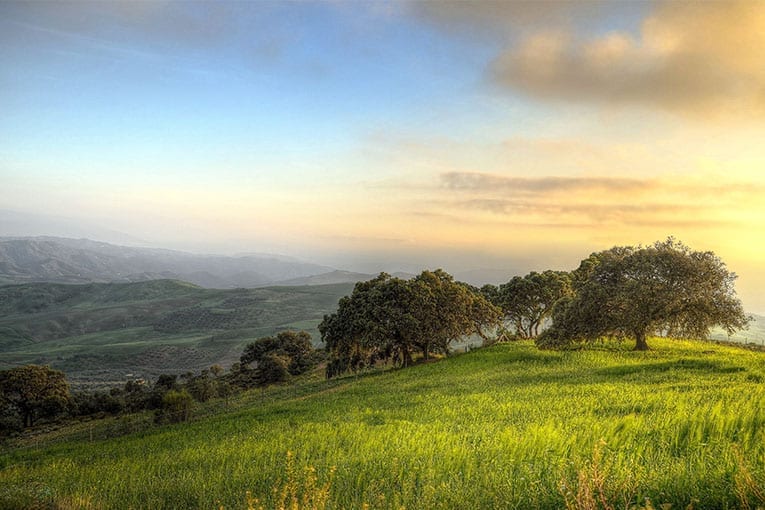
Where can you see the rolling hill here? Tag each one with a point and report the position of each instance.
(100, 332)
(504, 427)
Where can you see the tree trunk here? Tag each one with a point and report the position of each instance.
(407, 357)
(640, 341)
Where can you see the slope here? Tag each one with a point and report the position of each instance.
(503, 427)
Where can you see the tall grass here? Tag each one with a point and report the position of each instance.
(503, 427)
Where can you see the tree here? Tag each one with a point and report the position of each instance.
(371, 324)
(291, 347)
(34, 391)
(202, 387)
(176, 406)
(527, 301)
(273, 368)
(637, 291)
(165, 383)
(388, 319)
(447, 310)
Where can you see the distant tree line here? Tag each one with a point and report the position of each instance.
(32, 394)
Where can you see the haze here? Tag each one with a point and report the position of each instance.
(506, 136)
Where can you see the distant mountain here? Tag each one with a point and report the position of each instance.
(25, 224)
(64, 260)
(336, 276)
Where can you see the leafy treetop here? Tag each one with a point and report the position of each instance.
(633, 292)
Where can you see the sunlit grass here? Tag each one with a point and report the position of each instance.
(504, 427)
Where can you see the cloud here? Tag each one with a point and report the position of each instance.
(592, 203)
(473, 181)
(694, 58)
(588, 215)
(476, 16)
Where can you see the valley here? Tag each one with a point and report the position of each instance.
(99, 333)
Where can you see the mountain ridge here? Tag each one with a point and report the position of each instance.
(67, 260)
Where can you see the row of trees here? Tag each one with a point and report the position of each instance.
(627, 292)
(31, 393)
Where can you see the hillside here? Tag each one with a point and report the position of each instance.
(503, 427)
(103, 331)
(62, 260)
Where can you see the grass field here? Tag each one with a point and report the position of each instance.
(503, 427)
(101, 332)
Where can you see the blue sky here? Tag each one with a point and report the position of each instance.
(386, 135)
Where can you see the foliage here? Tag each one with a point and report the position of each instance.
(388, 319)
(97, 402)
(176, 406)
(137, 395)
(500, 427)
(295, 346)
(637, 291)
(287, 353)
(526, 301)
(33, 391)
(272, 368)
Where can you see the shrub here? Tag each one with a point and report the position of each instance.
(176, 407)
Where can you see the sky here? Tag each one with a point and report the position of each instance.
(503, 136)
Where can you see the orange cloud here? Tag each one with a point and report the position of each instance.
(689, 57)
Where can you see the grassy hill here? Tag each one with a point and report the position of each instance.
(503, 427)
(101, 332)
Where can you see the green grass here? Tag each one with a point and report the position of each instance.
(503, 427)
(97, 333)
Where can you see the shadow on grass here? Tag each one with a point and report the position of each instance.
(666, 366)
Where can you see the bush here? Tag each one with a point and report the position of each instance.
(288, 347)
(176, 407)
(273, 368)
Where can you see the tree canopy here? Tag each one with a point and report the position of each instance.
(287, 353)
(389, 319)
(665, 288)
(526, 301)
(33, 391)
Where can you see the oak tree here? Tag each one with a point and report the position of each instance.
(33, 391)
(634, 292)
